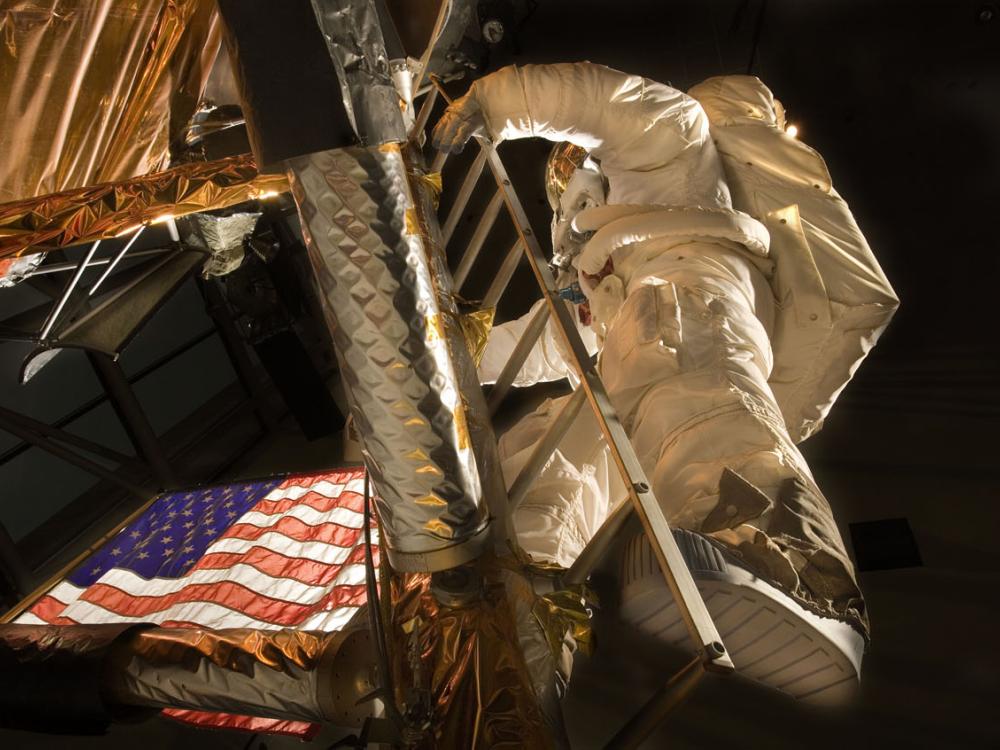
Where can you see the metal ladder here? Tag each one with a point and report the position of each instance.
(711, 654)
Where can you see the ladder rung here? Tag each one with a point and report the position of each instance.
(483, 228)
(543, 450)
(504, 275)
(439, 159)
(510, 370)
(464, 193)
(425, 112)
(598, 545)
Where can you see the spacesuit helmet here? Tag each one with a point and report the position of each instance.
(573, 182)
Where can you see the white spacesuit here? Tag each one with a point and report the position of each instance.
(726, 334)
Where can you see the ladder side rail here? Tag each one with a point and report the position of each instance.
(696, 616)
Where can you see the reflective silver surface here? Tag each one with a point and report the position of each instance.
(401, 353)
(354, 38)
(220, 236)
(285, 674)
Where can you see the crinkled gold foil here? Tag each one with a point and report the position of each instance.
(468, 664)
(94, 91)
(565, 613)
(564, 159)
(476, 326)
(87, 214)
(432, 181)
(239, 650)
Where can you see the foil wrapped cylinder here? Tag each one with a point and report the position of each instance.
(353, 35)
(403, 360)
(96, 674)
(280, 674)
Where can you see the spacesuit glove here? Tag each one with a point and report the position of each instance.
(461, 121)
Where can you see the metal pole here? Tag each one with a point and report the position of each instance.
(54, 433)
(504, 275)
(425, 113)
(60, 267)
(516, 360)
(132, 417)
(598, 545)
(217, 309)
(544, 448)
(692, 607)
(438, 163)
(51, 320)
(462, 199)
(652, 714)
(115, 260)
(486, 222)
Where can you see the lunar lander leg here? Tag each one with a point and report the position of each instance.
(427, 440)
(371, 239)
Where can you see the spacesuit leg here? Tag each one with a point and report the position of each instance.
(574, 492)
(686, 362)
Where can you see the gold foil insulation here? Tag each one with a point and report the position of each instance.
(565, 614)
(476, 326)
(91, 213)
(92, 90)
(467, 663)
(564, 159)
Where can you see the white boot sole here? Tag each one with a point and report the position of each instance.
(770, 637)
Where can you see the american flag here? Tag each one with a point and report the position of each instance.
(267, 554)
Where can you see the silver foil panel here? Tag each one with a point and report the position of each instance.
(219, 236)
(400, 353)
(354, 38)
(283, 674)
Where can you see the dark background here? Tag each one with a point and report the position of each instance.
(901, 99)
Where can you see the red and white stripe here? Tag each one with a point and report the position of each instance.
(295, 560)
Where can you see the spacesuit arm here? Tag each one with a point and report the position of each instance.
(546, 361)
(635, 127)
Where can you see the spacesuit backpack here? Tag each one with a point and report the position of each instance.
(833, 299)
